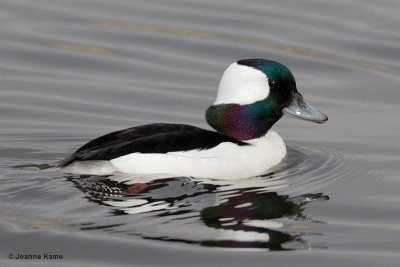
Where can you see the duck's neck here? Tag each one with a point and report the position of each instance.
(242, 122)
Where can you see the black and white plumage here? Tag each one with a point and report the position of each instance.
(150, 138)
(252, 96)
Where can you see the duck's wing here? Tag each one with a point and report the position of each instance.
(151, 138)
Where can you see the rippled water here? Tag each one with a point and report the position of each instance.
(71, 71)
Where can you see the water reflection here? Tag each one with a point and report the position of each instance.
(249, 215)
(209, 214)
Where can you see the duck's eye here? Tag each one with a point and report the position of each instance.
(274, 84)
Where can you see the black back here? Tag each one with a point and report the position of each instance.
(151, 138)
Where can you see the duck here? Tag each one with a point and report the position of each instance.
(253, 94)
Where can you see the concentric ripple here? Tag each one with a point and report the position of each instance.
(312, 168)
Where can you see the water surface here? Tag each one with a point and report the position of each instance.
(72, 71)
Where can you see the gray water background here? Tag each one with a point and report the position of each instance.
(71, 71)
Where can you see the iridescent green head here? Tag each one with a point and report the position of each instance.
(253, 95)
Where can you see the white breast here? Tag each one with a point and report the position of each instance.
(225, 161)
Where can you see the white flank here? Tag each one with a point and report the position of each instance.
(242, 85)
(225, 161)
(92, 167)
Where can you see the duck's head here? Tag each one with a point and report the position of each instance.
(254, 94)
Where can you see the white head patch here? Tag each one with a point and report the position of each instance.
(242, 85)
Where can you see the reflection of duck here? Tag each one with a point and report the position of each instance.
(241, 217)
(249, 215)
(252, 96)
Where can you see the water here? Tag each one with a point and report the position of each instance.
(71, 71)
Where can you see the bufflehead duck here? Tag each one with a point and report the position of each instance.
(253, 94)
